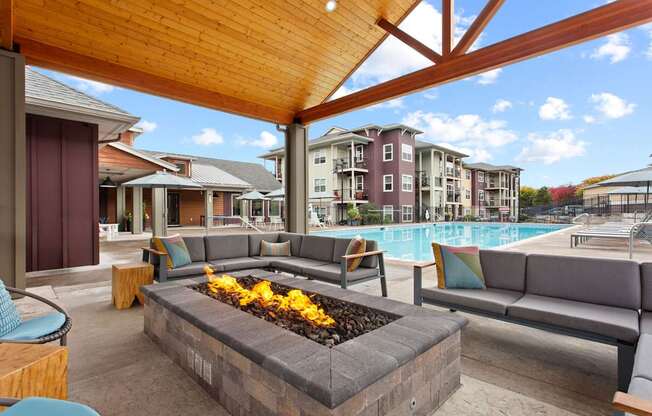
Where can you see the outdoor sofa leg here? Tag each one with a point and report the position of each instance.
(383, 278)
(626, 352)
(418, 278)
(343, 282)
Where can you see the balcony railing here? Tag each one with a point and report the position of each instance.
(348, 164)
(351, 195)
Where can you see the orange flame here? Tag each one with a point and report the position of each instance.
(262, 293)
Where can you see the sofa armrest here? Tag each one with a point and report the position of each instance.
(160, 273)
(365, 254)
(632, 404)
(424, 265)
(153, 251)
(417, 277)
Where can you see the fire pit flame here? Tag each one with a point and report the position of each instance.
(262, 293)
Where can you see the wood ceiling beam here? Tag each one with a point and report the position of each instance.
(7, 24)
(476, 28)
(601, 21)
(447, 27)
(58, 59)
(409, 40)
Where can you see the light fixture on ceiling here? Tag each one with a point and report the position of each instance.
(108, 183)
(331, 5)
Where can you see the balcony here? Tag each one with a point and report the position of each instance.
(453, 197)
(497, 185)
(351, 195)
(349, 165)
(496, 203)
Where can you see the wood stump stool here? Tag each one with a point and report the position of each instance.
(126, 282)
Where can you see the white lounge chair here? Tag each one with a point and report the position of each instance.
(314, 220)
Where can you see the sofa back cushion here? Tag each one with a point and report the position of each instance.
(196, 248)
(599, 281)
(255, 239)
(317, 248)
(646, 286)
(295, 242)
(370, 261)
(503, 269)
(227, 246)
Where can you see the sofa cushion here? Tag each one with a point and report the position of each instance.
(192, 269)
(641, 388)
(486, 300)
(255, 239)
(317, 248)
(609, 321)
(268, 249)
(239, 263)
(646, 286)
(600, 281)
(503, 269)
(646, 322)
(196, 248)
(295, 264)
(370, 261)
(227, 246)
(295, 242)
(332, 273)
(643, 358)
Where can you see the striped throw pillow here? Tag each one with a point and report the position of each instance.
(458, 267)
(9, 316)
(175, 247)
(357, 245)
(275, 249)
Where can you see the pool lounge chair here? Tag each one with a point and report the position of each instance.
(315, 221)
(639, 231)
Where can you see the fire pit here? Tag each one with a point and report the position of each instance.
(340, 353)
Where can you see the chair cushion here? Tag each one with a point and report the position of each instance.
(599, 281)
(239, 263)
(503, 269)
(275, 249)
(9, 316)
(370, 261)
(295, 264)
(37, 327)
(646, 322)
(641, 388)
(486, 300)
(227, 246)
(192, 269)
(196, 248)
(33, 406)
(256, 239)
(609, 321)
(317, 248)
(643, 358)
(646, 289)
(458, 267)
(295, 241)
(332, 272)
(177, 252)
(357, 245)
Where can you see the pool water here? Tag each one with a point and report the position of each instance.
(414, 242)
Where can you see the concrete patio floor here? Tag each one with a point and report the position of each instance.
(507, 369)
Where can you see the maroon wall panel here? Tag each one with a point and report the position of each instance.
(62, 194)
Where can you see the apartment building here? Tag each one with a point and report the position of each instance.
(495, 190)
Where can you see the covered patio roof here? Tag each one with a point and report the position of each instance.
(278, 61)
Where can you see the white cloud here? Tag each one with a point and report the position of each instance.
(552, 148)
(395, 103)
(501, 105)
(588, 119)
(616, 48)
(208, 137)
(431, 94)
(342, 91)
(648, 29)
(489, 77)
(265, 140)
(554, 109)
(612, 106)
(89, 86)
(147, 126)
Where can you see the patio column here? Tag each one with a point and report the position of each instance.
(208, 208)
(12, 169)
(120, 203)
(137, 210)
(296, 178)
(159, 214)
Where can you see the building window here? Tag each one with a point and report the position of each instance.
(480, 176)
(359, 153)
(468, 194)
(406, 213)
(388, 183)
(359, 183)
(320, 185)
(319, 157)
(406, 183)
(235, 205)
(406, 152)
(275, 208)
(257, 209)
(483, 213)
(467, 211)
(467, 174)
(182, 168)
(388, 213)
(480, 195)
(388, 152)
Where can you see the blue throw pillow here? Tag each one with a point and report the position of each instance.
(9, 316)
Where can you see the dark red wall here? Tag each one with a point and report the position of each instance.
(62, 193)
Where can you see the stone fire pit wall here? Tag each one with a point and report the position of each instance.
(253, 367)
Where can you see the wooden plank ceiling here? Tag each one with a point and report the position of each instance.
(274, 60)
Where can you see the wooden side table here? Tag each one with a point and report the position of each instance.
(33, 370)
(126, 282)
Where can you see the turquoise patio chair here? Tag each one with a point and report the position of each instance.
(47, 328)
(39, 406)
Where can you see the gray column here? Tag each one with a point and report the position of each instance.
(137, 210)
(208, 208)
(120, 204)
(159, 214)
(296, 178)
(12, 169)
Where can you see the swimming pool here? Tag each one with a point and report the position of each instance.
(414, 242)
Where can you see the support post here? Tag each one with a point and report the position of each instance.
(159, 214)
(208, 208)
(296, 178)
(137, 210)
(120, 204)
(13, 169)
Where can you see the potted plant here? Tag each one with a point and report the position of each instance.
(353, 214)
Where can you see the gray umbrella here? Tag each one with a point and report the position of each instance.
(163, 180)
(641, 177)
(252, 196)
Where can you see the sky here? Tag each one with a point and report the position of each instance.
(579, 112)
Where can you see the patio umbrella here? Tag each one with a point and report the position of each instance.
(276, 194)
(637, 178)
(253, 196)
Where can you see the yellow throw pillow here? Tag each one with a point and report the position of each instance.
(358, 245)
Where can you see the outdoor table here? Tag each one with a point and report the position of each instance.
(126, 282)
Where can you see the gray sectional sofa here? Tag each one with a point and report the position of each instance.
(314, 257)
(595, 299)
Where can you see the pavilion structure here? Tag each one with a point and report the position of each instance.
(279, 61)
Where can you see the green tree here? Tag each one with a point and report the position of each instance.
(542, 196)
(526, 197)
